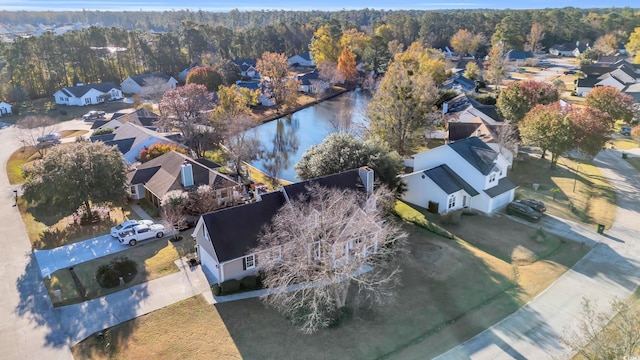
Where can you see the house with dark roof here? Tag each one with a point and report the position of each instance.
(148, 84)
(303, 60)
(130, 139)
(174, 171)
(225, 237)
(311, 83)
(466, 173)
(619, 74)
(248, 67)
(141, 117)
(459, 83)
(568, 49)
(89, 94)
(518, 57)
(264, 97)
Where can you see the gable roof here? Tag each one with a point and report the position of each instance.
(233, 231)
(80, 91)
(519, 55)
(463, 108)
(141, 79)
(142, 117)
(588, 82)
(505, 184)
(306, 55)
(448, 180)
(476, 153)
(163, 174)
(245, 64)
(98, 123)
(123, 145)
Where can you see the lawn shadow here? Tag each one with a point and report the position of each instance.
(68, 325)
(449, 292)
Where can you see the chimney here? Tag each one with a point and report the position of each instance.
(366, 175)
(186, 172)
(445, 108)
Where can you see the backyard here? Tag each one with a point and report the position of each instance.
(451, 290)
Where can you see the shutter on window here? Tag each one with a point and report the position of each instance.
(244, 263)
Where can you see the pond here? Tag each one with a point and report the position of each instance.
(285, 140)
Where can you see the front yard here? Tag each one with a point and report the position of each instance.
(451, 290)
(582, 196)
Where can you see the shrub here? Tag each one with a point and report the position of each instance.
(486, 99)
(451, 218)
(103, 131)
(108, 275)
(249, 283)
(215, 288)
(230, 286)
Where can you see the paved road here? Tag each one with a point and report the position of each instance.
(29, 326)
(611, 268)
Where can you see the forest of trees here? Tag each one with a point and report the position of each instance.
(170, 41)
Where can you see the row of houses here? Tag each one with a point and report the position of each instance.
(145, 84)
(615, 71)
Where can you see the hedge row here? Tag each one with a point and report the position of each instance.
(248, 283)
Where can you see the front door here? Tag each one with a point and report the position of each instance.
(465, 201)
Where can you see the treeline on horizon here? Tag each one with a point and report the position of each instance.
(38, 66)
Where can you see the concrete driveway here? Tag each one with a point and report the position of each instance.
(69, 255)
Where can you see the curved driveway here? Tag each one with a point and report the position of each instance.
(611, 268)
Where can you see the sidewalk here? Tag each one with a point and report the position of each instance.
(611, 269)
(82, 320)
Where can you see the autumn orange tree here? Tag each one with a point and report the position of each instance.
(206, 76)
(158, 149)
(610, 100)
(347, 65)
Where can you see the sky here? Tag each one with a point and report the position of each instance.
(246, 5)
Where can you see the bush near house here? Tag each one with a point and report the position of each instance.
(108, 275)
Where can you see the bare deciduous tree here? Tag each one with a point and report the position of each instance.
(241, 141)
(507, 139)
(604, 336)
(30, 128)
(154, 87)
(173, 206)
(203, 200)
(325, 243)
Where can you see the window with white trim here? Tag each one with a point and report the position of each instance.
(452, 202)
(133, 190)
(249, 262)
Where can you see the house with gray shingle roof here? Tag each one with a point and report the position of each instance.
(89, 94)
(141, 117)
(131, 139)
(466, 173)
(175, 171)
(145, 84)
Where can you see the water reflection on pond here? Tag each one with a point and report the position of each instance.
(286, 139)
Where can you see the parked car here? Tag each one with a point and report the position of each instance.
(128, 225)
(625, 130)
(536, 205)
(93, 114)
(140, 233)
(49, 139)
(569, 72)
(524, 211)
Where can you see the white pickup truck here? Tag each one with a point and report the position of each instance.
(140, 233)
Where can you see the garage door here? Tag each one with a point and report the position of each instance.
(208, 265)
(503, 199)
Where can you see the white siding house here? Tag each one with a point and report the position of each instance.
(465, 173)
(148, 84)
(5, 108)
(90, 94)
(303, 59)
